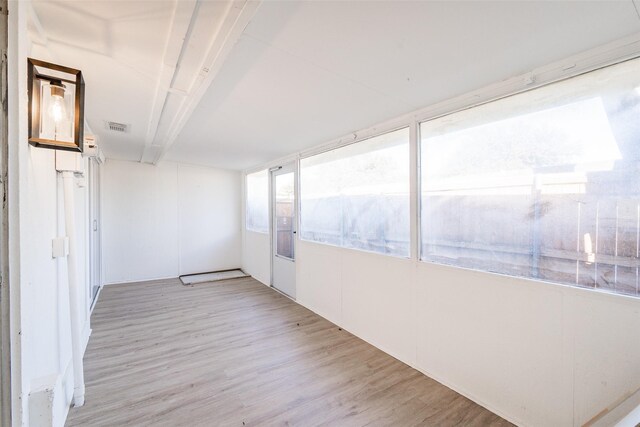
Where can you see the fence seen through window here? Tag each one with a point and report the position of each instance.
(544, 184)
(358, 196)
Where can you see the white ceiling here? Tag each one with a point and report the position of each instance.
(119, 51)
(301, 73)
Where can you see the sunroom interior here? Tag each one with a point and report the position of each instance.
(323, 213)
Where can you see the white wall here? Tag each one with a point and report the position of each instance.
(45, 329)
(167, 220)
(41, 334)
(257, 262)
(208, 219)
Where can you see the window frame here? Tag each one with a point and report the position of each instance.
(619, 51)
(418, 122)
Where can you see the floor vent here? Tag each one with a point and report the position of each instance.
(212, 276)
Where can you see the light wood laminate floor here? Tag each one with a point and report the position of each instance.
(238, 353)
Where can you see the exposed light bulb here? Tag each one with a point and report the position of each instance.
(57, 110)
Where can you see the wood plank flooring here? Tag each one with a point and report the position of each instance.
(237, 353)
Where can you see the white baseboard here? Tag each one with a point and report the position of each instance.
(86, 335)
(128, 281)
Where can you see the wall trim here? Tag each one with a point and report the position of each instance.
(17, 153)
(5, 308)
(143, 280)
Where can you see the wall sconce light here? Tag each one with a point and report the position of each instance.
(56, 106)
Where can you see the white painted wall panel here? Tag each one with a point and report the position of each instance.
(40, 326)
(497, 339)
(373, 285)
(258, 263)
(45, 329)
(319, 279)
(39, 273)
(209, 203)
(607, 350)
(140, 221)
(162, 221)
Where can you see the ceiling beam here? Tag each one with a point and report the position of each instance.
(237, 17)
(184, 14)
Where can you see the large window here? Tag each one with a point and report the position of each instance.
(544, 184)
(257, 204)
(358, 196)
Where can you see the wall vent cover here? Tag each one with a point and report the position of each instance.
(117, 127)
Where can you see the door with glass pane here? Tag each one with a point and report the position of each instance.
(284, 230)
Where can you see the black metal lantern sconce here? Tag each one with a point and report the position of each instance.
(56, 106)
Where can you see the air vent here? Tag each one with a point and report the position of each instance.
(117, 127)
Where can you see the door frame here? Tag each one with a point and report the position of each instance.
(5, 307)
(95, 237)
(295, 166)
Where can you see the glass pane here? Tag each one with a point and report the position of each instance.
(257, 214)
(56, 111)
(543, 184)
(358, 196)
(284, 214)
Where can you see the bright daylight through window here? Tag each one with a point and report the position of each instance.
(257, 205)
(358, 196)
(544, 184)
